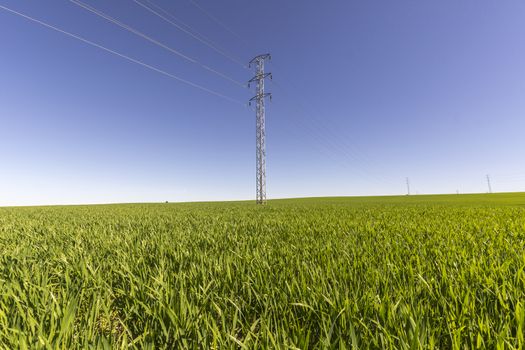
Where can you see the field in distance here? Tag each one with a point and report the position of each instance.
(429, 272)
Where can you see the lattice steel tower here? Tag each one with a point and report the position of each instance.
(260, 131)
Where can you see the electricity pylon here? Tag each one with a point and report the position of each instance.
(260, 131)
(488, 183)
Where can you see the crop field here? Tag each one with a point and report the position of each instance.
(418, 272)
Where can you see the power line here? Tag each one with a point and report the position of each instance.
(329, 139)
(327, 145)
(136, 61)
(195, 31)
(321, 124)
(217, 21)
(156, 42)
(205, 42)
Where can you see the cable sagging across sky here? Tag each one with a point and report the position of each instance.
(154, 41)
(203, 41)
(220, 23)
(196, 32)
(128, 58)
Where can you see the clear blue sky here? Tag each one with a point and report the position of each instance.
(366, 94)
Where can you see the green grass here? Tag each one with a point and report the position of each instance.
(429, 272)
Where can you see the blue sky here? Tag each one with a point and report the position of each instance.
(366, 93)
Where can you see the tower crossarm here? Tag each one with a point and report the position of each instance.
(259, 96)
(258, 77)
(263, 57)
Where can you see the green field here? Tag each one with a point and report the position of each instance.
(443, 272)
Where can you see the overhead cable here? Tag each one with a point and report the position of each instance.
(192, 29)
(203, 41)
(217, 21)
(136, 61)
(154, 41)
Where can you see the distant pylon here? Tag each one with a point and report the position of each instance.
(408, 186)
(260, 130)
(488, 183)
